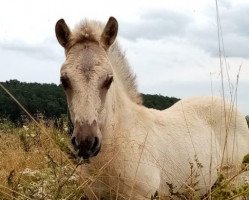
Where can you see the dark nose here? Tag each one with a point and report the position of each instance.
(88, 147)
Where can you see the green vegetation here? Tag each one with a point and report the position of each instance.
(46, 99)
(49, 100)
(158, 102)
(247, 119)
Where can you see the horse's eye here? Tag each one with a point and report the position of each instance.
(65, 82)
(108, 81)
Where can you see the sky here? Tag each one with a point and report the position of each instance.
(172, 45)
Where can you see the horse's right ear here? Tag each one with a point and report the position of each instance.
(62, 32)
(109, 33)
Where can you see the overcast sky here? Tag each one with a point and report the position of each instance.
(171, 45)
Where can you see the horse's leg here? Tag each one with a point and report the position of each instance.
(147, 183)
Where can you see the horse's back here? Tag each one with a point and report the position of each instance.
(204, 130)
(224, 120)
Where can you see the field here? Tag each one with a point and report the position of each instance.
(38, 162)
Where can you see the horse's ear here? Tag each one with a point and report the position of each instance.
(62, 32)
(110, 32)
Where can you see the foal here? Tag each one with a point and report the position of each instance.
(135, 151)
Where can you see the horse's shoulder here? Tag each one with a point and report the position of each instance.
(198, 102)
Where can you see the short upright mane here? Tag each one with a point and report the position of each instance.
(89, 30)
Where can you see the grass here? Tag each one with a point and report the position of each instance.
(33, 166)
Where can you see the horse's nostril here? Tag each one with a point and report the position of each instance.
(88, 147)
(73, 140)
(91, 143)
(95, 144)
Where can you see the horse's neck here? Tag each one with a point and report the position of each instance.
(127, 126)
(124, 73)
(119, 108)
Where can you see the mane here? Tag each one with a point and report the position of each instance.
(89, 30)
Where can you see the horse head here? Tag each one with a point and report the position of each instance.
(87, 76)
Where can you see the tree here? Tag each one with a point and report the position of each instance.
(158, 101)
(247, 119)
(47, 99)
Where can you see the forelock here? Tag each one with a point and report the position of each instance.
(86, 31)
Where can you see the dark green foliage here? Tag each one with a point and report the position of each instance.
(247, 119)
(46, 99)
(246, 159)
(158, 102)
(49, 100)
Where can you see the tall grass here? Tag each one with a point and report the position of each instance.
(35, 166)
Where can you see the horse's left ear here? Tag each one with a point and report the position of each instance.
(62, 32)
(110, 32)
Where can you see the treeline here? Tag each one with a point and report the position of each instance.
(158, 102)
(45, 99)
(49, 100)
